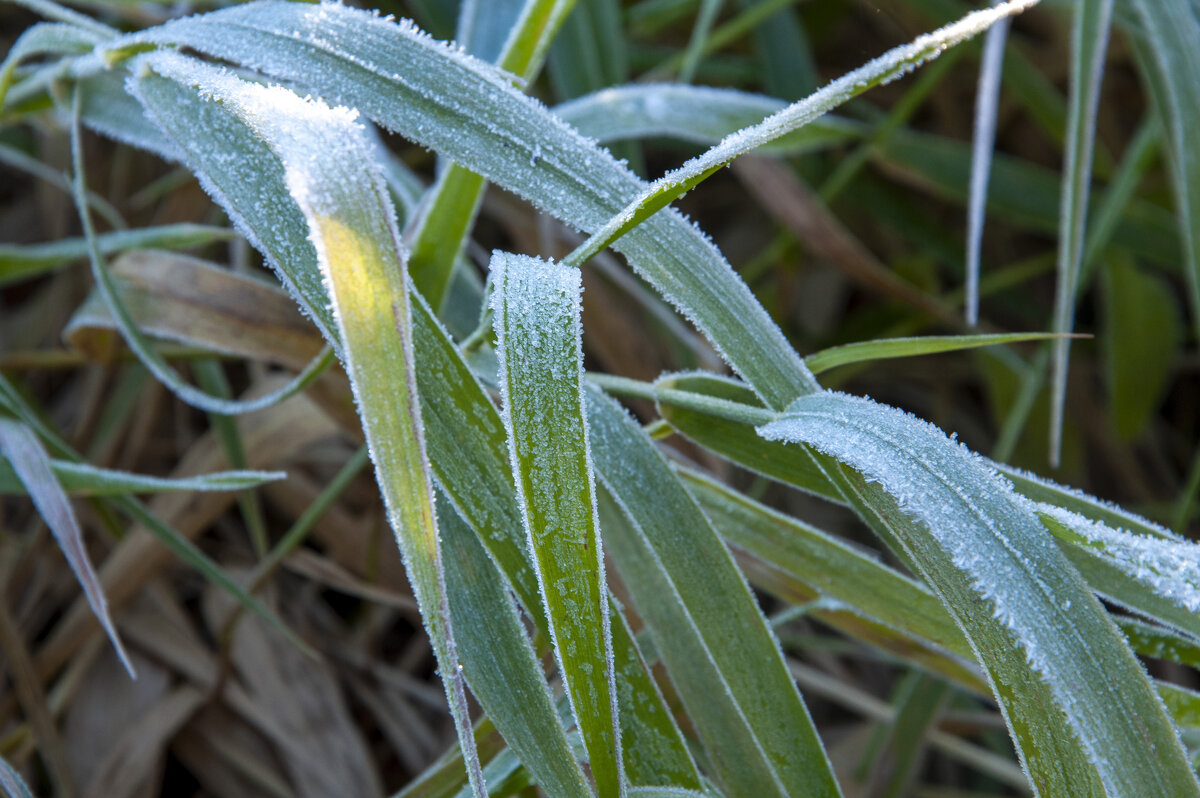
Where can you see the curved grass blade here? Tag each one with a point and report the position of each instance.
(893, 64)
(694, 113)
(500, 663)
(972, 536)
(47, 38)
(352, 58)
(711, 635)
(81, 479)
(987, 98)
(1171, 63)
(1089, 46)
(537, 310)
(11, 782)
(153, 361)
(700, 34)
(329, 170)
(32, 465)
(20, 262)
(886, 348)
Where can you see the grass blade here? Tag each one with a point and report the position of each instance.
(987, 98)
(718, 642)
(81, 479)
(973, 536)
(345, 204)
(1089, 46)
(885, 348)
(537, 307)
(32, 466)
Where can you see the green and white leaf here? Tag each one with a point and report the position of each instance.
(974, 536)
(82, 479)
(537, 320)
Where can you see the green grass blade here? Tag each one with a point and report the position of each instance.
(1089, 47)
(537, 310)
(47, 38)
(974, 536)
(30, 462)
(500, 134)
(484, 27)
(81, 479)
(709, 9)
(20, 262)
(885, 348)
(500, 663)
(673, 556)
(987, 98)
(344, 201)
(1166, 45)
(893, 64)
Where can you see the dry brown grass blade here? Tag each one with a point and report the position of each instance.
(187, 300)
(797, 208)
(271, 438)
(229, 758)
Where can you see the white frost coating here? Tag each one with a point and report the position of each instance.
(996, 540)
(1169, 568)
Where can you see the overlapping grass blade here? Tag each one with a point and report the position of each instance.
(710, 633)
(885, 348)
(988, 555)
(884, 69)
(987, 98)
(1089, 47)
(328, 167)
(537, 320)
(81, 479)
(1166, 42)
(465, 435)
(47, 38)
(352, 58)
(32, 466)
(500, 663)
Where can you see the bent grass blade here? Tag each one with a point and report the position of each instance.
(327, 164)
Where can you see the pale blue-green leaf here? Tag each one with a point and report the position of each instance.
(1166, 44)
(338, 187)
(710, 632)
(537, 320)
(11, 782)
(693, 113)
(1089, 49)
(977, 533)
(81, 479)
(32, 465)
(500, 664)
(983, 142)
(353, 58)
(46, 38)
(700, 33)
(485, 25)
(887, 67)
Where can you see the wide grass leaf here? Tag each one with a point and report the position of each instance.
(329, 170)
(537, 319)
(710, 633)
(972, 531)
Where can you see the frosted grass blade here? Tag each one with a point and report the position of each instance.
(1089, 47)
(353, 58)
(81, 479)
(23, 262)
(987, 98)
(1166, 45)
(11, 781)
(31, 464)
(886, 348)
(484, 27)
(500, 663)
(133, 337)
(973, 536)
(465, 435)
(711, 634)
(329, 170)
(537, 310)
(47, 38)
(893, 64)
(693, 113)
